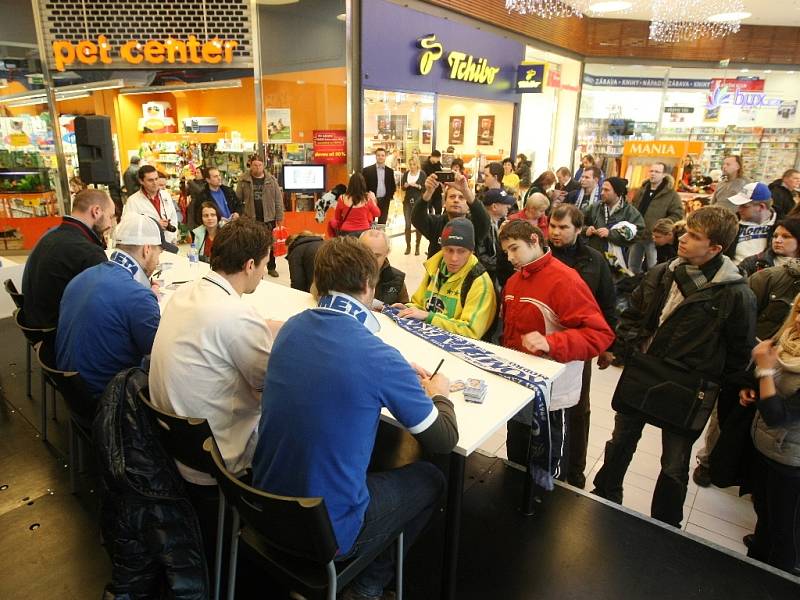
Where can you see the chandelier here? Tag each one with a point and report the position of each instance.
(687, 20)
(670, 20)
(547, 9)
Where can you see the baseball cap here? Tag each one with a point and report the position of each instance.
(141, 230)
(752, 192)
(458, 232)
(497, 196)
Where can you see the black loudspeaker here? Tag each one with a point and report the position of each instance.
(95, 149)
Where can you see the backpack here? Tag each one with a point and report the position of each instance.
(469, 279)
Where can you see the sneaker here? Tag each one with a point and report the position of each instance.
(702, 476)
(273, 273)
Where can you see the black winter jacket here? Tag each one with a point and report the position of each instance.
(782, 198)
(301, 255)
(391, 286)
(149, 527)
(493, 258)
(712, 331)
(195, 213)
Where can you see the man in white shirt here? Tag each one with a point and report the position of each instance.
(756, 221)
(150, 201)
(210, 355)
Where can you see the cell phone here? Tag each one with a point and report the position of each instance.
(446, 176)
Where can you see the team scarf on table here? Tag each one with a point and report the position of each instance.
(539, 445)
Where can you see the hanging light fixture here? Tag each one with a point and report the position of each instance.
(687, 20)
(546, 9)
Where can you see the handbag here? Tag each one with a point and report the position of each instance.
(666, 393)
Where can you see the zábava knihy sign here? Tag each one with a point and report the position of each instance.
(463, 66)
(171, 51)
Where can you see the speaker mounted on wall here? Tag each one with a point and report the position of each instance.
(95, 149)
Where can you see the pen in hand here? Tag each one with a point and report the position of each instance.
(439, 366)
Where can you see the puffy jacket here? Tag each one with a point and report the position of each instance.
(471, 319)
(712, 331)
(782, 198)
(302, 252)
(594, 270)
(391, 286)
(775, 289)
(149, 526)
(666, 204)
(595, 216)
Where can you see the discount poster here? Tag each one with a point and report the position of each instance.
(330, 146)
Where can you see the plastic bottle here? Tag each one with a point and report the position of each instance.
(193, 256)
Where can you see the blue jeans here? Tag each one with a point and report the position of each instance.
(401, 498)
(639, 251)
(670, 492)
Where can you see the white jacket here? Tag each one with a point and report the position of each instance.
(138, 203)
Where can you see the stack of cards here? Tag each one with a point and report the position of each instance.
(475, 390)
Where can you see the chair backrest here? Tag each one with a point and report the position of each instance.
(182, 437)
(15, 294)
(70, 383)
(299, 527)
(33, 334)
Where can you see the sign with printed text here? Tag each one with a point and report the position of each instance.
(99, 53)
(463, 66)
(658, 148)
(530, 78)
(330, 146)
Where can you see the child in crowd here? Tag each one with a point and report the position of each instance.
(534, 212)
(666, 240)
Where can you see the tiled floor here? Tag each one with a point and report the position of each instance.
(718, 515)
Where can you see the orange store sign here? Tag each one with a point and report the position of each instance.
(153, 52)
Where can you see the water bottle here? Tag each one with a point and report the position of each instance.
(193, 256)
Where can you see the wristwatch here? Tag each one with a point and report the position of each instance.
(765, 372)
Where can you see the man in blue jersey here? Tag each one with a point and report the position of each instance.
(319, 418)
(109, 315)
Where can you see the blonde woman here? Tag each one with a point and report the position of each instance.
(534, 212)
(413, 185)
(776, 437)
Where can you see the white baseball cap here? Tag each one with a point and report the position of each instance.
(141, 230)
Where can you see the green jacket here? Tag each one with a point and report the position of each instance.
(474, 317)
(595, 216)
(666, 204)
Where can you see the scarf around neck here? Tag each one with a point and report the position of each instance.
(342, 303)
(691, 278)
(127, 262)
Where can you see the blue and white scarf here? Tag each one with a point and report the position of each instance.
(539, 465)
(342, 303)
(127, 262)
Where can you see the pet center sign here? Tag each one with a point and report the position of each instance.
(190, 51)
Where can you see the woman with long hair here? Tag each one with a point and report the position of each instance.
(413, 184)
(203, 235)
(776, 437)
(356, 209)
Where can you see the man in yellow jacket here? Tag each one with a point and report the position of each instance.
(456, 292)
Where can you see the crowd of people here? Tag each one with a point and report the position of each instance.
(570, 269)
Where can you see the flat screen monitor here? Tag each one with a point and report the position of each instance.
(304, 178)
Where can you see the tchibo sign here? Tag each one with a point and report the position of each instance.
(463, 66)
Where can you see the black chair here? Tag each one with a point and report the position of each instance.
(80, 403)
(292, 538)
(183, 438)
(33, 336)
(15, 294)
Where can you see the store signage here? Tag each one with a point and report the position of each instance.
(330, 146)
(662, 148)
(681, 110)
(530, 78)
(463, 66)
(720, 95)
(744, 84)
(645, 82)
(154, 52)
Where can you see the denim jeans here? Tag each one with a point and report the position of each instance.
(640, 251)
(401, 498)
(670, 491)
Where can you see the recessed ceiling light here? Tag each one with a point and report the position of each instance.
(744, 70)
(768, 71)
(300, 82)
(729, 16)
(342, 17)
(609, 6)
(790, 72)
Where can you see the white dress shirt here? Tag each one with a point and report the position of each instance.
(208, 361)
(139, 203)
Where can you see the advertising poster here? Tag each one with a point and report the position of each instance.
(787, 110)
(330, 146)
(427, 131)
(456, 135)
(486, 130)
(279, 125)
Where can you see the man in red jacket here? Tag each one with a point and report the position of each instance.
(548, 310)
